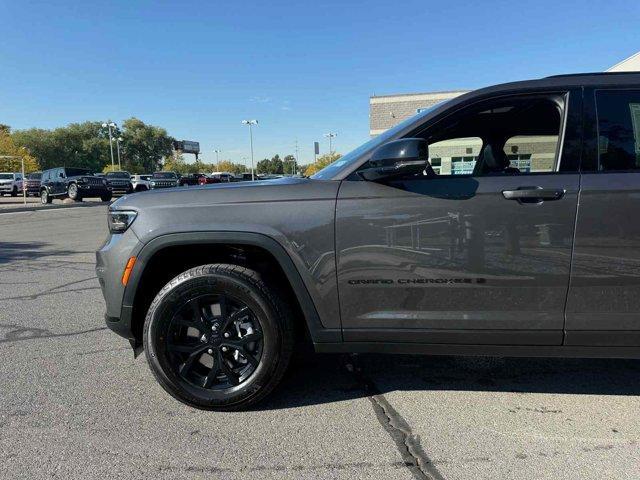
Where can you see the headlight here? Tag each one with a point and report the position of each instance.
(120, 220)
(153, 184)
(104, 182)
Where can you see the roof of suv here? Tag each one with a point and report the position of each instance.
(571, 80)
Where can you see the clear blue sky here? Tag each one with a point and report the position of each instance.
(301, 68)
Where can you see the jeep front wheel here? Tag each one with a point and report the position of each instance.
(45, 197)
(217, 338)
(73, 193)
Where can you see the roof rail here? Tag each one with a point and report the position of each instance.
(590, 73)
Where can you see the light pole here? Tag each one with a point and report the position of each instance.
(217, 159)
(330, 136)
(110, 125)
(251, 123)
(119, 140)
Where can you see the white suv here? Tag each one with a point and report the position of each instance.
(140, 182)
(10, 183)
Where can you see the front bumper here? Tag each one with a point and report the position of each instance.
(111, 260)
(127, 188)
(8, 188)
(93, 190)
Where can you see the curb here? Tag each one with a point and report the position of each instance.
(52, 207)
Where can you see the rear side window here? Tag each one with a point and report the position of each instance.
(618, 130)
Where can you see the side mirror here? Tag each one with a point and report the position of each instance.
(407, 156)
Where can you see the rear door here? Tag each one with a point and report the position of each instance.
(459, 258)
(603, 306)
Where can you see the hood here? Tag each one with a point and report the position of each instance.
(277, 190)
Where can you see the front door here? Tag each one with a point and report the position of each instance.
(480, 253)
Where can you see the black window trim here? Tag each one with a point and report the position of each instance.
(573, 105)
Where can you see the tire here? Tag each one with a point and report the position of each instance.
(227, 383)
(45, 197)
(74, 193)
(106, 198)
(14, 192)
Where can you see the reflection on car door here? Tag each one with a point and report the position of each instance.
(457, 259)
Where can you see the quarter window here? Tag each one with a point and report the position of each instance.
(618, 130)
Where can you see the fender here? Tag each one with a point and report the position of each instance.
(319, 334)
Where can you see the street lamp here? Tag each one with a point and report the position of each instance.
(331, 136)
(217, 152)
(110, 125)
(251, 123)
(118, 141)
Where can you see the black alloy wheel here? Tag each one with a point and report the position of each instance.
(214, 342)
(216, 337)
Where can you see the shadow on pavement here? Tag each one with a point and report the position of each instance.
(318, 379)
(15, 251)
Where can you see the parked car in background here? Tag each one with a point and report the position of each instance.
(120, 182)
(10, 183)
(221, 177)
(163, 180)
(75, 183)
(247, 177)
(141, 183)
(192, 179)
(32, 184)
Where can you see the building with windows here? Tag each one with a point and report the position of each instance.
(458, 156)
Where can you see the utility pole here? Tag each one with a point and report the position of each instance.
(330, 136)
(251, 123)
(118, 140)
(110, 125)
(295, 164)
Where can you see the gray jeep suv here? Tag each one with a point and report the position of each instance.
(498, 223)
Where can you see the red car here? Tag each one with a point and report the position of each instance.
(217, 177)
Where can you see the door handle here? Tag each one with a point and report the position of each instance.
(534, 194)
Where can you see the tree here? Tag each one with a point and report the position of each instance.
(273, 166)
(289, 164)
(321, 162)
(229, 166)
(76, 145)
(8, 148)
(144, 146)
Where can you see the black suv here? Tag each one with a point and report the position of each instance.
(75, 183)
(120, 182)
(164, 180)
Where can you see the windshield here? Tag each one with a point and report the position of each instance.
(6, 176)
(76, 172)
(34, 176)
(164, 175)
(332, 169)
(118, 175)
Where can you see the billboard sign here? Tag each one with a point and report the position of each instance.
(187, 146)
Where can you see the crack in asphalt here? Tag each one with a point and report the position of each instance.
(54, 290)
(17, 333)
(407, 442)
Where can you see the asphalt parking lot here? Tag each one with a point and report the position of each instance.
(74, 403)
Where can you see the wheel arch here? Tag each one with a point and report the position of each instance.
(168, 255)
